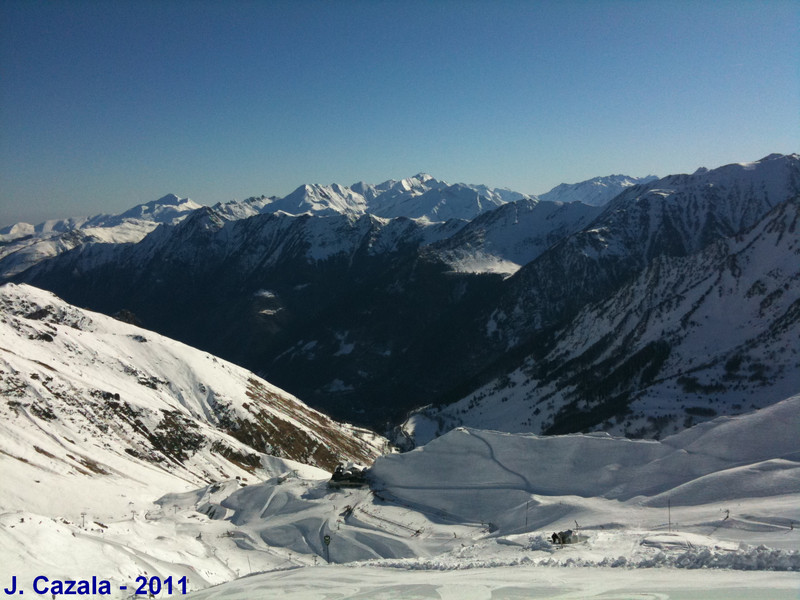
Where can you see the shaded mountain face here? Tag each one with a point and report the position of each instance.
(330, 304)
(367, 317)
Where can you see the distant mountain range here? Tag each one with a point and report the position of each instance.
(23, 245)
(419, 197)
(529, 314)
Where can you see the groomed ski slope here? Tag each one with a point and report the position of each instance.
(710, 513)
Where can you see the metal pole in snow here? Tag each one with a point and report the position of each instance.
(669, 513)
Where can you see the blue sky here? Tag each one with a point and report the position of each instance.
(105, 105)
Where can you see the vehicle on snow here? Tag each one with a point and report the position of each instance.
(348, 475)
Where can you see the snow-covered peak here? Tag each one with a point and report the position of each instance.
(319, 200)
(171, 199)
(168, 209)
(423, 177)
(594, 192)
(17, 230)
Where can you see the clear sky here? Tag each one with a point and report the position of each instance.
(105, 105)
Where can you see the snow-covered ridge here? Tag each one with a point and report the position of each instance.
(422, 197)
(418, 197)
(168, 209)
(23, 245)
(597, 191)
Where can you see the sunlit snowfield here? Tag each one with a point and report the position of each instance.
(698, 515)
(657, 527)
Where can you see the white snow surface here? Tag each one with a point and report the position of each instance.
(470, 516)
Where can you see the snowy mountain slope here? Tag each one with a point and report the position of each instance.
(691, 337)
(499, 478)
(594, 192)
(89, 400)
(504, 239)
(99, 418)
(674, 216)
(478, 502)
(22, 245)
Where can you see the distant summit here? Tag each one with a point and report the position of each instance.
(164, 210)
(594, 192)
